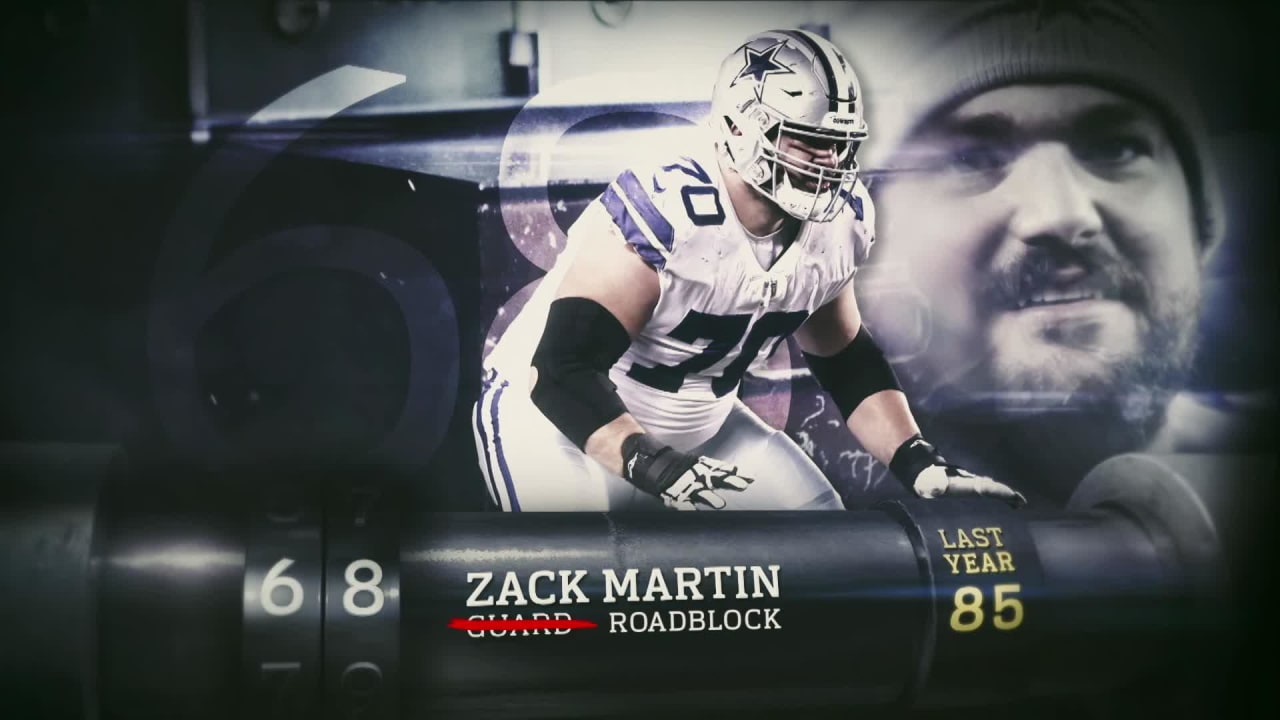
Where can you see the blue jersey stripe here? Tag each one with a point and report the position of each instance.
(485, 448)
(854, 201)
(632, 232)
(497, 450)
(643, 204)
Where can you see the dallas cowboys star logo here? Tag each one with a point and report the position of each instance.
(760, 65)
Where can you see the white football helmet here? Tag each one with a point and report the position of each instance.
(790, 84)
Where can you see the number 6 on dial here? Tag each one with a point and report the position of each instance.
(275, 578)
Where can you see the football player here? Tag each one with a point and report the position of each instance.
(615, 387)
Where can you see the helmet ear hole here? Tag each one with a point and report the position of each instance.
(733, 127)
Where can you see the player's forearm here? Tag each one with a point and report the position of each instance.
(605, 445)
(859, 379)
(882, 423)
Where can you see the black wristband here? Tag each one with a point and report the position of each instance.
(854, 374)
(650, 465)
(912, 457)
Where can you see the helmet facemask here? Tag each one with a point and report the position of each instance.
(761, 146)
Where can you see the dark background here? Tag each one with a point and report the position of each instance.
(120, 115)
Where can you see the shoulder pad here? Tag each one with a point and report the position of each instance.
(863, 219)
(653, 206)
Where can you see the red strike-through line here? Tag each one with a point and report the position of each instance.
(511, 625)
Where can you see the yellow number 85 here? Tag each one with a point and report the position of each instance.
(968, 615)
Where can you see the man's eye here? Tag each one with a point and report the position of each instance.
(983, 158)
(1112, 150)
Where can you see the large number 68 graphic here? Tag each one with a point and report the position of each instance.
(185, 293)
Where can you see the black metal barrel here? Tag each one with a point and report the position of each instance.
(280, 593)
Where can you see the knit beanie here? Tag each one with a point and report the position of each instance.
(934, 56)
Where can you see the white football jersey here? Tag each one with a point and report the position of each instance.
(720, 313)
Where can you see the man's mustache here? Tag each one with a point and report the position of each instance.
(1036, 271)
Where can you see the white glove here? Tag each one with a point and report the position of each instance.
(938, 480)
(919, 465)
(698, 484)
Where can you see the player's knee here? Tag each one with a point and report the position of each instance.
(807, 486)
(829, 499)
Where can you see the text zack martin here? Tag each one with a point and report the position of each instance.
(689, 584)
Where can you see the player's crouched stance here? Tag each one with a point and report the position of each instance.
(615, 386)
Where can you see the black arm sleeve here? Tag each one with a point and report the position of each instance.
(855, 373)
(581, 341)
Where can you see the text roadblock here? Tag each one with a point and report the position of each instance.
(694, 620)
